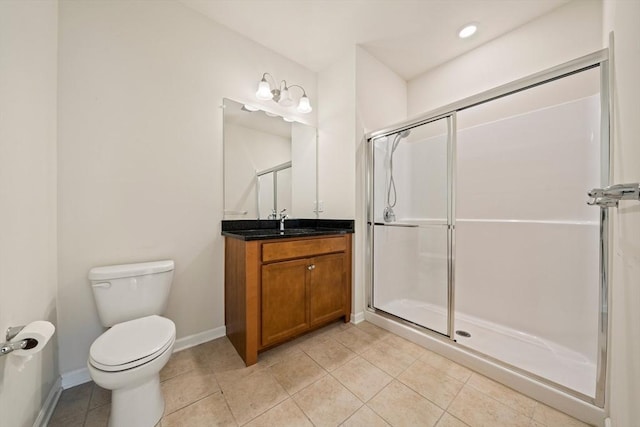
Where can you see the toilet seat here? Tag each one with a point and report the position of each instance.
(132, 343)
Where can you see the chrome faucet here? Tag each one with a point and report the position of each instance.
(283, 216)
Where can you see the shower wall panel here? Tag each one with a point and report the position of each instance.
(534, 278)
(420, 173)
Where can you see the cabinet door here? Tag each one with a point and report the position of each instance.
(327, 288)
(284, 300)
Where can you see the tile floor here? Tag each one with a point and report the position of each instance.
(340, 375)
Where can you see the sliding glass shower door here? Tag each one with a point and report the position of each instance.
(411, 219)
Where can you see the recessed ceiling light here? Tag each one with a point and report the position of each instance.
(250, 108)
(467, 31)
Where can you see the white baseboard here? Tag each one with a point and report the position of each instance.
(74, 378)
(199, 338)
(81, 376)
(49, 404)
(357, 318)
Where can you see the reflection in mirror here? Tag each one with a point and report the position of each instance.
(274, 190)
(269, 165)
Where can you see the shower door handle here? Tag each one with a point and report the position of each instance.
(609, 197)
(394, 225)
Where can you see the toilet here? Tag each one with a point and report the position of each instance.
(128, 357)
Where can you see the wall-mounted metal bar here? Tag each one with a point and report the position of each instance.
(609, 197)
(395, 224)
(603, 283)
(452, 127)
(276, 168)
(8, 346)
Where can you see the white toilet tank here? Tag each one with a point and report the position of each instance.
(131, 291)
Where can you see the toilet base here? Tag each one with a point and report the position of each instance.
(136, 396)
(138, 406)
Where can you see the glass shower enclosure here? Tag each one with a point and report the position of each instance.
(479, 231)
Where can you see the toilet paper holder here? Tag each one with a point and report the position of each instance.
(12, 332)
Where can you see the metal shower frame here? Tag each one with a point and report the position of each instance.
(599, 59)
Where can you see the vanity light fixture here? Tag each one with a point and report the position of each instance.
(280, 94)
(468, 30)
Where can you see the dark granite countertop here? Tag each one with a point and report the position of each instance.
(263, 229)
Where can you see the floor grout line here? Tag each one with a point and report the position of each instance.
(229, 408)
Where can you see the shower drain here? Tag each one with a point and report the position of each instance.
(463, 334)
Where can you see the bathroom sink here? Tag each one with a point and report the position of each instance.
(299, 231)
(268, 233)
(277, 232)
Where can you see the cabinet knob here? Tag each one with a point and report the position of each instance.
(311, 267)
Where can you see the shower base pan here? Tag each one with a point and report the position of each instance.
(530, 353)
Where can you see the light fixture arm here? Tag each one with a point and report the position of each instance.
(304, 92)
(264, 78)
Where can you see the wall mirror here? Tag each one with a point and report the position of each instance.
(269, 165)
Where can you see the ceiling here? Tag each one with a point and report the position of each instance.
(409, 36)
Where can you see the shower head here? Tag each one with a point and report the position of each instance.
(388, 214)
(399, 136)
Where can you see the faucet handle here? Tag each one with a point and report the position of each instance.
(283, 215)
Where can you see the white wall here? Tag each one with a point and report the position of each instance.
(381, 99)
(560, 36)
(28, 70)
(140, 152)
(336, 136)
(622, 18)
(337, 153)
(381, 93)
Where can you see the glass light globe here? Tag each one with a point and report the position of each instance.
(264, 91)
(304, 106)
(285, 98)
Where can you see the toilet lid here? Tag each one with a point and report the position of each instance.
(133, 343)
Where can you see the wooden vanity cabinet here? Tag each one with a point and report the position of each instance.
(278, 289)
(284, 300)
